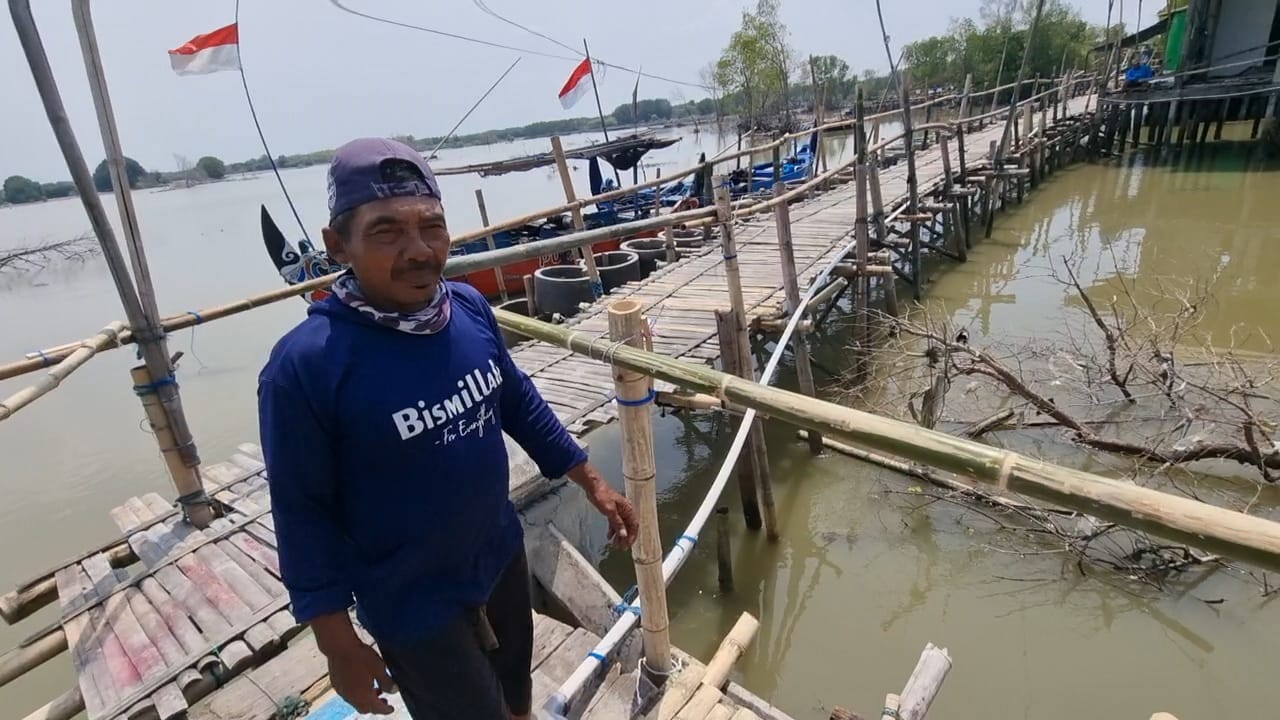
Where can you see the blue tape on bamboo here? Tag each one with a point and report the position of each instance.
(151, 387)
(688, 538)
(44, 359)
(637, 403)
(597, 656)
(196, 315)
(730, 257)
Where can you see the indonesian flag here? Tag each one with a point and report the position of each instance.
(208, 53)
(579, 83)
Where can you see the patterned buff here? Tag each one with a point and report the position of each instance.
(427, 321)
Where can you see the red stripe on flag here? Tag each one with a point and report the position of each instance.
(228, 35)
(583, 70)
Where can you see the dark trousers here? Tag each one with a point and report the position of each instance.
(451, 675)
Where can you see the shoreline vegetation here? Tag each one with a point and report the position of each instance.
(759, 81)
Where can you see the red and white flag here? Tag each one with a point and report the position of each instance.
(579, 82)
(208, 53)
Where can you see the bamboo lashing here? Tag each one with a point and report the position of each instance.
(634, 399)
(74, 361)
(1225, 532)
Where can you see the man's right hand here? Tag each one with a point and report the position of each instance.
(356, 671)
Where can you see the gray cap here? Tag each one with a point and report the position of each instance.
(370, 169)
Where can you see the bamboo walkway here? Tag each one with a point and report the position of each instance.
(680, 299)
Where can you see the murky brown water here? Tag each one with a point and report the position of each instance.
(867, 571)
(861, 579)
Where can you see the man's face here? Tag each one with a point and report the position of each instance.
(397, 248)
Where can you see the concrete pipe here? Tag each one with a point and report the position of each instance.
(688, 239)
(616, 268)
(519, 307)
(559, 289)
(650, 252)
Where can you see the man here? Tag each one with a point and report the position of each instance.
(382, 418)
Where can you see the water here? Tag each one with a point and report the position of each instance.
(860, 580)
(867, 571)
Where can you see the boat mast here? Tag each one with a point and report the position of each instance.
(596, 89)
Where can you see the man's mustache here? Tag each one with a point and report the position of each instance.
(417, 267)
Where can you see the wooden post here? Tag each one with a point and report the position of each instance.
(669, 238)
(484, 220)
(913, 190)
(635, 400)
(777, 162)
(862, 237)
(727, 334)
(531, 300)
(791, 284)
(763, 481)
(140, 305)
(964, 100)
(925, 682)
(588, 255)
(724, 551)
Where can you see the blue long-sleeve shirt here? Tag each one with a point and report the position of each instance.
(387, 466)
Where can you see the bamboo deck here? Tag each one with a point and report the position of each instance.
(208, 604)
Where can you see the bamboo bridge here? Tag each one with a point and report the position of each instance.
(185, 613)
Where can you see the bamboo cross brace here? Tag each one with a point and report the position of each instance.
(1226, 532)
(74, 361)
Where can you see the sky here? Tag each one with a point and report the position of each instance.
(319, 76)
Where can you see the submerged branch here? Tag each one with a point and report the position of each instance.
(38, 257)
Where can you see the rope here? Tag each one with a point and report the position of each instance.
(647, 399)
(292, 707)
(153, 387)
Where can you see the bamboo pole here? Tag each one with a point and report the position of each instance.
(64, 707)
(763, 481)
(732, 647)
(925, 683)
(55, 376)
(530, 297)
(669, 243)
(964, 99)
(1232, 534)
(634, 393)
(588, 255)
(791, 285)
(484, 220)
(861, 283)
(31, 654)
(140, 309)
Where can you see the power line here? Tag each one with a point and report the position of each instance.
(495, 14)
(489, 43)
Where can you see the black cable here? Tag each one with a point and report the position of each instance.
(270, 158)
(489, 43)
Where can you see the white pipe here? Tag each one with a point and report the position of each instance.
(557, 704)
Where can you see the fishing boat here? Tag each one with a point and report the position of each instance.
(303, 262)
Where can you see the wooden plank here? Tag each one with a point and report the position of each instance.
(261, 554)
(548, 635)
(720, 712)
(615, 698)
(156, 504)
(571, 579)
(124, 518)
(86, 650)
(261, 578)
(300, 666)
(704, 700)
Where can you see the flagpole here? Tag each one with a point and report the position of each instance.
(254, 113)
(596, 89)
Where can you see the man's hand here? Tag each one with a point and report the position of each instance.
(356, 671)
(623, 527)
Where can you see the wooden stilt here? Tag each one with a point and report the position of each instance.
(724, 551)
(588, 257)
(530, 298)
(913, 190)
(764, 483)
(729, 363)
(635, 399)
(791, 285)
(484, 221)
(669, 242)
